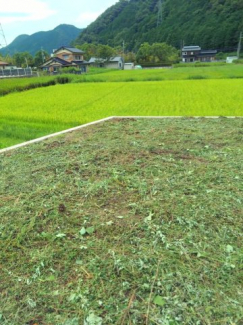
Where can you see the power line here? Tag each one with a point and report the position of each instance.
(3, 41)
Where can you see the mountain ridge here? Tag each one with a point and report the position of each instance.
(48, 40)
(214, 24)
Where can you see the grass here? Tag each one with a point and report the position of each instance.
(131, 222)
(182, 72)
(42, 111)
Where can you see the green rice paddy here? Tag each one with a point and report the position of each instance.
(201, 91)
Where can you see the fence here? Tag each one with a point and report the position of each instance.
(16, 72)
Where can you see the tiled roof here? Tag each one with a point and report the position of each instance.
(96, 60)
(71, 49)
(81, 62)
(64, 63)
(203, 52)
(55, 59)
(115, 59)
(191, 48)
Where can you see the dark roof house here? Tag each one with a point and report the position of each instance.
(65, 57)
(195, 53)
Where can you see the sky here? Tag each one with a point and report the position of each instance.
(30, 16)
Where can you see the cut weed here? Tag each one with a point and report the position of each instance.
(128, 222)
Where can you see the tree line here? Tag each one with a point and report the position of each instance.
(211, 24)
(25, 59)
(147, 53)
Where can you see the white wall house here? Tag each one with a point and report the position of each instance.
(129, 66)
(115, 63)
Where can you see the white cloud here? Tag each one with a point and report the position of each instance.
(20, 11)
(88, 17)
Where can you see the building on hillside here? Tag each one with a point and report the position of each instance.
(194, 53)
(65, 57)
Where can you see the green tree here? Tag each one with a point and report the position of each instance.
(105, 51)
(40, 57)
(90, 50)
(144, 53)
(164, 52)
(23, 59)
(130, 57)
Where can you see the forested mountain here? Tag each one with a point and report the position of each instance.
(212, 24)
(61, 35)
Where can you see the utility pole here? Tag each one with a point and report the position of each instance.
(160, 11)
(26, 62)
(42, 55)
(123, 50)
(3, 38)
(239, 46)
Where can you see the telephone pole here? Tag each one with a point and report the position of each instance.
(239, 46)
(3, 41)
(42, 55)
(160, 11)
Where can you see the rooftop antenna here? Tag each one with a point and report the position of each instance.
(3, 41)
(160, 11)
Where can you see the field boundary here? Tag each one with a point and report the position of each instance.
(23, 144)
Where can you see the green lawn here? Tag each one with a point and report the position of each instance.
(128, 222)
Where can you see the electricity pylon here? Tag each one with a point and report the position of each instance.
(3, 41)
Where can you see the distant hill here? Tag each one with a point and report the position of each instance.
(61, 35)
(212, 24)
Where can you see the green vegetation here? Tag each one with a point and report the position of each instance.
(212, 24)
(214, 71)
(22, 84)
(131, 222)
(41, 111)
(183, 71)
(157, 52)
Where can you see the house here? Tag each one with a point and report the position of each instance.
(129, 66)
(97, 62)
(3, 64)
(207, 55)
(116, 62)
(195, 53)
(65, 57)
